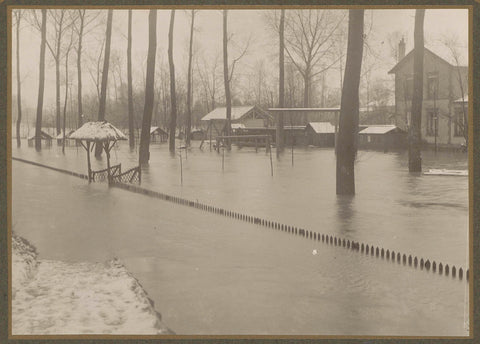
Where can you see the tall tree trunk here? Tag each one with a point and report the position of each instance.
(57, 72)
(226, 80)
(348, 126)
(189, 84)
(57, 94)
(41, 83)
(18, 16)
(144, 154)
(307, 88)
(79, 68)
(66, 98)
(106, 63)
(131, 135)
(173, 97)
(415, 133)
(280, 139)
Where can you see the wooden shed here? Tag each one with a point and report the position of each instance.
(157, 134)
(197, 134)
(68, 141)
(382, 137)
(320, 134)
(45, 137)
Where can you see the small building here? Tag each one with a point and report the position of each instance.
(295, 135)
(197, 134)
(68, 141)
(382, 137)
(44, 136)
(248, 116)
(157, 134)
(320, 134)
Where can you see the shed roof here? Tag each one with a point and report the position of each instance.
(67, 135)
(462, 100)
(98, 131)
(221, 113)
(43, 134)
(322, 127)
(160, 130)
(379, 129)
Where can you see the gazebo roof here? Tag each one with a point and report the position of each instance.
(98, 131)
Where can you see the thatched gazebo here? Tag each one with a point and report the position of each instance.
(98, 133)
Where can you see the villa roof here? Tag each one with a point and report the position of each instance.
(410, 56)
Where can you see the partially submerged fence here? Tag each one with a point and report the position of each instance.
(133, 175)
(102, 175)
(370, 250)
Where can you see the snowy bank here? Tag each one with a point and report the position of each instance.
(53, 297)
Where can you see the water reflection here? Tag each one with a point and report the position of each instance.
(345, 214)
(212, 275)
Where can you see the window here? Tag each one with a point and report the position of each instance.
(432, 128)
(432, 85)
(408, 118)
(408, 87)
(459, 123)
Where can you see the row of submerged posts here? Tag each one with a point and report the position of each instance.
(371, 250)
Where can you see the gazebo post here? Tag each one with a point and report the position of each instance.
(88, 161)
(210, 129)
(107, 152)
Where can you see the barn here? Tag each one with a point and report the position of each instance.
(382, 137)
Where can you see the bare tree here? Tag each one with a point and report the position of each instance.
(415, 133)
(348, 124)
(226, 79)
(18, 16)
(207, 73)
(67, 53)
(189, 82)
(94, 68)
(131, 136)
(81, 27)
(173, 98)
(309, 44)
(144, 154)
(55, 49)
(106, 62)
(41, 82)
(280, 139)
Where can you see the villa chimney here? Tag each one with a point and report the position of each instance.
(401, 50)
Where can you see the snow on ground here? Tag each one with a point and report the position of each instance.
(54, 297)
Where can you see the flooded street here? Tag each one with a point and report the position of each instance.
(214, 275)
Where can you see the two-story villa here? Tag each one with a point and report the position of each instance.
(443, 85)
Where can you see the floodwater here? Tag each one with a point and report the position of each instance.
(214, 275)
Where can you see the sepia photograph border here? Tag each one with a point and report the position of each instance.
(6, 7)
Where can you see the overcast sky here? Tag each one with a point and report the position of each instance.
(243, 24)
